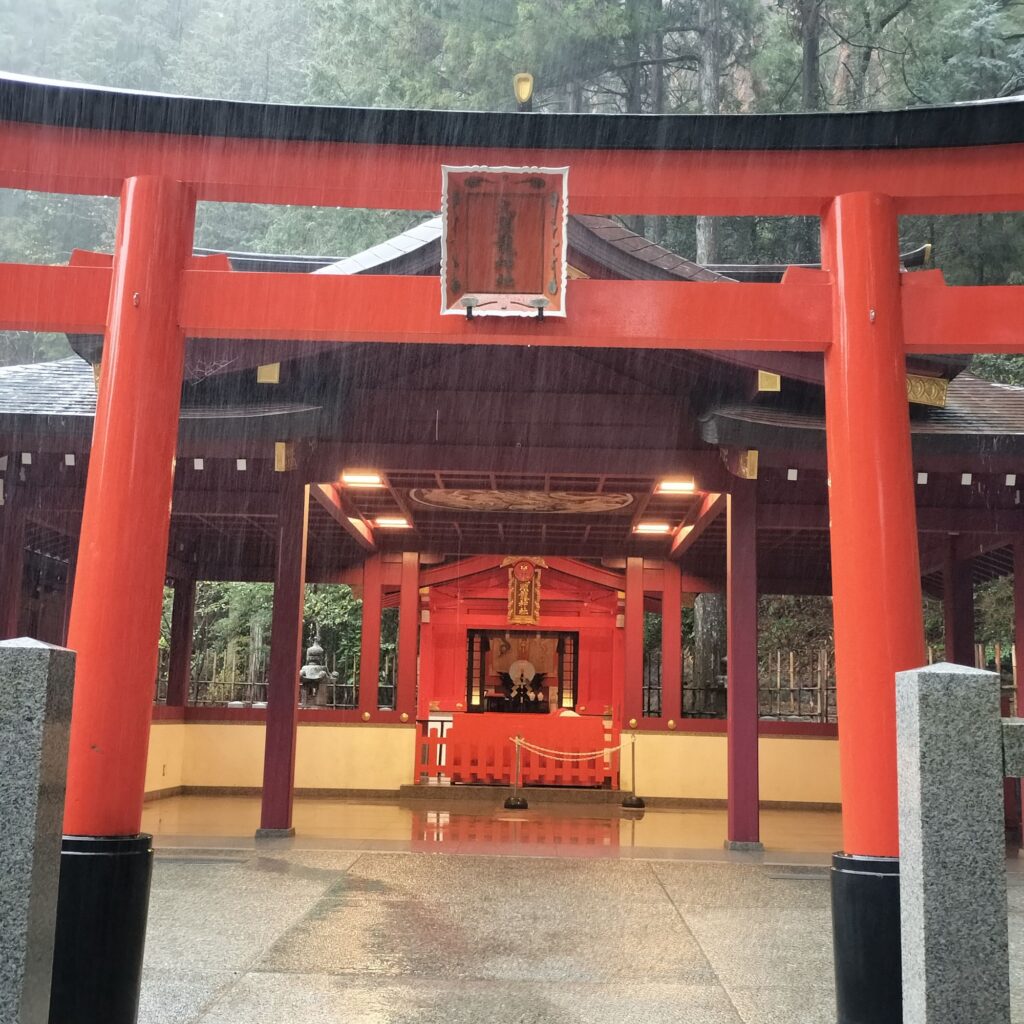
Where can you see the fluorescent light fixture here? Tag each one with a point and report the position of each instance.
(393, 523)
(652, 528)
(677, 486)
(361, 478)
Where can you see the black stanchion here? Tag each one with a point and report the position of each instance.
(633, 802)
(866, 939)
(102, 906)
(516, 802)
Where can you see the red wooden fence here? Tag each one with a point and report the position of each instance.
(479, 749)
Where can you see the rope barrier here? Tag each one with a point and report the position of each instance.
(564, 755)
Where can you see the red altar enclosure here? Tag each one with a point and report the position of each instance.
(480, 603)
(460, 674)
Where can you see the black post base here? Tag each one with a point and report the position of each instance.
(516, 803)
(102, 905)
(634, 802)
(866, 939)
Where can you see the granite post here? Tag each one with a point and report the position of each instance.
(952, 870)
(36, 682)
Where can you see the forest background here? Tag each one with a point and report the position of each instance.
(636, 56)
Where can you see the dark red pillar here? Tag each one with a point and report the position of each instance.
(633, 642)
(12, 562)
(369, 646)
(408, 634)
(69, 593)
(742, 712)
(958, 605)
(179, 668)
(1018, 622)
(122, 553)
(285, 662)
(672, 643)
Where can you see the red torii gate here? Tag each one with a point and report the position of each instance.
(857, 172)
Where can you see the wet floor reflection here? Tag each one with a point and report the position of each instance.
(470, 826)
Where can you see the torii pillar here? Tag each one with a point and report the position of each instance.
(103, 896)
(876, 586)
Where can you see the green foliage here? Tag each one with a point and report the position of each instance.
(793, 623)
(236, 617)
(334, 614)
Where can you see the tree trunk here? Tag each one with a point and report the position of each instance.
(710, 90)
(709, 645)
(631, 80)
(810, 42)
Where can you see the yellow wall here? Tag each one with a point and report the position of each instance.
(231, 755)
(688, 766)
(355, 757)
(166, 749)
(682, 765)
(220, 754)
(693, 766)
(799, 770)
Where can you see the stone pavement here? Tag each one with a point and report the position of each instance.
(254, 936)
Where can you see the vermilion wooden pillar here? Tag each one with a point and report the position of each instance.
(103, 890)
(408, 633)
(285, 662)
(12, 563)
(122, 553)
(958, 606)
(672, 643)
(634, 641)
(179, 668)
(369, 649)
(875, 572)
(742, 711)
(876, 591)
(1018, 621)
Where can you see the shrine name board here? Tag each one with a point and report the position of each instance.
(503, 241)
(524, 589)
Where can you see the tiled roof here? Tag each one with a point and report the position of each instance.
(380, 255)
(637, 246)
(65, 387)
(975, 409)
(62, 387)
(605, 229)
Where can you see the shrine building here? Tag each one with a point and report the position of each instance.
(632, 431)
